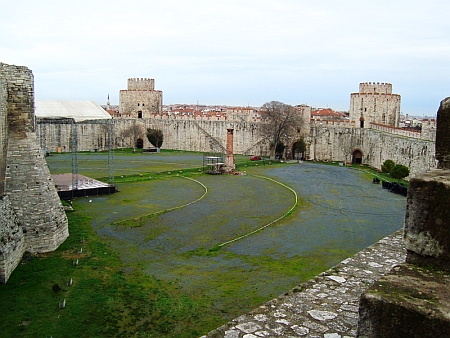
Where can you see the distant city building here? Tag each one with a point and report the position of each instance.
(328, 114)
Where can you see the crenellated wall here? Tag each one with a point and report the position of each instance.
(31, 215)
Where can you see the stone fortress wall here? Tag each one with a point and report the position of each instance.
(31, 215)
(330, 142)
(140, 100)
(339, 144)
(379, 139)
(375, 103)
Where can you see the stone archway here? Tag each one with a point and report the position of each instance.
(139, 143)
(298, 150)
(357, 156)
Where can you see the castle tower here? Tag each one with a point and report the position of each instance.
(31, 215)
(140, 100)
(374, 103)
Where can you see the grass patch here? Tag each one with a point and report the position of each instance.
(171, 279)
(103, 301)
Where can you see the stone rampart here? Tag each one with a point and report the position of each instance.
(207, 135)
(402, 132)
(31, 215)
(332, 141)
(338, 144)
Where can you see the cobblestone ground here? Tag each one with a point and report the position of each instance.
(326, 306)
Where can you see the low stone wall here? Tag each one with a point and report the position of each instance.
(325, 306)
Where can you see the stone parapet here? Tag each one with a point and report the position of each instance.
(407, 302)
(427, 222)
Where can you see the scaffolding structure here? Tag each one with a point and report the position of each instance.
(110, 145)
(213, 163)
(110, 137)
(74, 147)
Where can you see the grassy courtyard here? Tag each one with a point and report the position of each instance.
(151, 257)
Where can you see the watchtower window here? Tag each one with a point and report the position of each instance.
(139, 114)
(138, 104)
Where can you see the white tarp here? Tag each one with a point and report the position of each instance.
(78, 110)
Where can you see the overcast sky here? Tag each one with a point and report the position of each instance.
(233, 52)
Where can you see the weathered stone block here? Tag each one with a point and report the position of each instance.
(427, 220)
(407, 302)
(442, 135)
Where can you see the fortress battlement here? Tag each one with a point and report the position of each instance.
(376, 93)
(141, 84)
(375, 87)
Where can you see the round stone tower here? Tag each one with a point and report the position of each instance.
(374, 103)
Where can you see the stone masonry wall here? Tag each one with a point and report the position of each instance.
(32, 217)
(181, 134)
(140, 97)
(3, 133)
(33, 196)
(12, 241)
(338, 144)
(326, 142)
(376, 104)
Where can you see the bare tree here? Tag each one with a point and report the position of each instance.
(134, 132)
(281, 123)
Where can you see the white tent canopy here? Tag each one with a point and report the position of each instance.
(78, 110)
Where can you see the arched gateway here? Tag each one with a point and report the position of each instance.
(357, 156)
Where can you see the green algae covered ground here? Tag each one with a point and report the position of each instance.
(153, 264)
